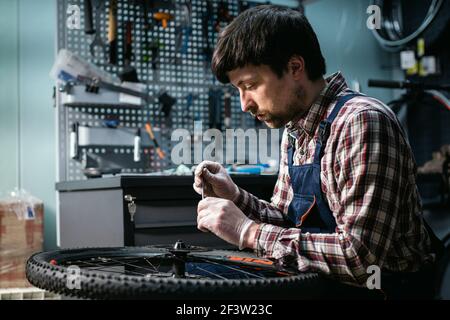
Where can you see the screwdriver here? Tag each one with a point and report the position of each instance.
(149, 130)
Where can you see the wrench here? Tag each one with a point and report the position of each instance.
(98, 42)
(88, 28)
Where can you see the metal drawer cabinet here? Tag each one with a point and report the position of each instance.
(137, 211)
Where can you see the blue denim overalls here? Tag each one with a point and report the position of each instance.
(308, 209)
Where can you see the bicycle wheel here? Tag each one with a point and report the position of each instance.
(160, 272)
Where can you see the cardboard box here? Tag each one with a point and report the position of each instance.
(19, 239)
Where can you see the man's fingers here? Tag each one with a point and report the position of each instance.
(201, 226)
(202, 204)
(207, 203)
(204, 220)
(197, 188)
(203, 173)
(198, 182)
(208, 176)
(205, 164)
(198, 170)
(212, 166)
(208, 207)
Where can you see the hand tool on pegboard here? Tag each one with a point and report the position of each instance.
(94, 166)
(73, 141)
(152, 48)
(167, 102)
(93, 85)
(97, 45)
(163, 18)
(149, 130)
(160, 11)
(137, 146)
(186, 116)
(129, 73)
(112, 32)
(184, 28)
(111, 121)
(88, 23)
(155, 48)
(128, 44)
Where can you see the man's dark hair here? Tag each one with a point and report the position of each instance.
(269, 35)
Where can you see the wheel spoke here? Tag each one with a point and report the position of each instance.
(134, 266)
(232, 268)
(151, 264)
(99, 267)
(212, 273)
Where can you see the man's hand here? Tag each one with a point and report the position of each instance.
(226, 221)
(217, 182)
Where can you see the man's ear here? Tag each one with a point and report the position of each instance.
(296, 66)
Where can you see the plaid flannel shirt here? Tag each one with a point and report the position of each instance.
(367, 177)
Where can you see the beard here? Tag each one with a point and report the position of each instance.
(270, 120)
(293, 110)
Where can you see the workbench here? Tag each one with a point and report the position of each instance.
(95, 212)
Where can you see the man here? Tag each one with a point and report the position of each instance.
(346, 196)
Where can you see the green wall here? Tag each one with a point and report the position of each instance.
(27, 130)
(349, 46)
(9, 96)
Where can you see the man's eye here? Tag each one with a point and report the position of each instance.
(248, 86)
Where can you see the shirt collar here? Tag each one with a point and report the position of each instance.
(309, 120)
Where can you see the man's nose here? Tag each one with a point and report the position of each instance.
(245, 101)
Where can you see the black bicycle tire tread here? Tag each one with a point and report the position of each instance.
(44, 275)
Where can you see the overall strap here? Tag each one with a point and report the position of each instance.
(291, 149)
(325, 126)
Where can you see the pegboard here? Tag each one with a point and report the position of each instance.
(182, 69)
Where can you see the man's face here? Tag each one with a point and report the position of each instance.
(264, 95)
